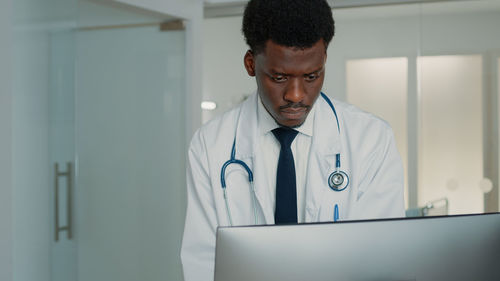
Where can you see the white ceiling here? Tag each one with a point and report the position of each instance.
(225, 8)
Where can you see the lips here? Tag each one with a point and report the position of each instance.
(293, 112)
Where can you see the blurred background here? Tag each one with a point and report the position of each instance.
(99, 100)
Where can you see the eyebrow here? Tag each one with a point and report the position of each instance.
(272, 72)
(316, 71)
(321, 69)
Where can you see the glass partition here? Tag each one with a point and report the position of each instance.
(457, 118)
(451, 159)
(448, 128)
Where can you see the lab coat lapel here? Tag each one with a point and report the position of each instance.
(324, 147)
(248, 151)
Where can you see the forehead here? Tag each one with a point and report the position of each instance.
(291, 60)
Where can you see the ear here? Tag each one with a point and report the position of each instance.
(249, 62)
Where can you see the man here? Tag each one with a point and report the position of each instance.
(288, 154)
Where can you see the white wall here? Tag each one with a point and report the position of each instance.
(5, 142)
(225, 80)
(187, 9)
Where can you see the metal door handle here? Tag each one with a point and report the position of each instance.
(69, 181)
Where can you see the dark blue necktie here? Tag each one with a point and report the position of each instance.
(286, 190)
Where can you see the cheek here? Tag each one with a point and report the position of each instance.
(272, 91)
(315, 87)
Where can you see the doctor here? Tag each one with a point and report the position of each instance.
(289, 153)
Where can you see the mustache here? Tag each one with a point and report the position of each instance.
(294, 105)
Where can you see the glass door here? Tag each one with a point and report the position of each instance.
(130, 145)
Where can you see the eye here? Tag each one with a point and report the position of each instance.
(311, 77)
(279, 78)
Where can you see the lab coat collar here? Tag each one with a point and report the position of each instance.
(327, 140)
(247, 129)
(246, 147)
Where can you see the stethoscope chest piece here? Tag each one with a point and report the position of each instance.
(338, 180)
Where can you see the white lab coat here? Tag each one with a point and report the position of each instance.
(369, 156)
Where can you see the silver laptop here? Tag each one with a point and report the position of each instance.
(425, 249)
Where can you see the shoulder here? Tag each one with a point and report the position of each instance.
(358, 120)
(363, 131)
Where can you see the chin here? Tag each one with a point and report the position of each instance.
(296, 126)
(291, 123)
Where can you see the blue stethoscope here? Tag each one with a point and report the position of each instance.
(338, 180)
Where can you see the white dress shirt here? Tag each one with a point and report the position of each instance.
(300, 150)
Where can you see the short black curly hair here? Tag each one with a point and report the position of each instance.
(291, 23)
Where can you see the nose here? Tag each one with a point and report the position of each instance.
(295, 92)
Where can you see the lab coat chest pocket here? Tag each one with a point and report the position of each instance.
(343, 201)
(239, 195)
(329, 201)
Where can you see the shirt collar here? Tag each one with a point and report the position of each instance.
(267, 124)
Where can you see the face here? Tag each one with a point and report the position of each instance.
(289, 79)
